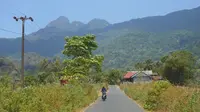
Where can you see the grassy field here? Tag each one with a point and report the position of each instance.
(48, 98)
(162, 96)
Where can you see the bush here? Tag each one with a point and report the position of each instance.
(30, 80)
(153, 98)
(5, 80)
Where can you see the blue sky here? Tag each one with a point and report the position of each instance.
(44, 11)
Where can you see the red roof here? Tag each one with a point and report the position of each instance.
(129, 75)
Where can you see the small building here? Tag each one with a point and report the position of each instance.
(138, 76)
(156, 77)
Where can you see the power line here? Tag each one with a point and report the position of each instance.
(19, 22)
(36, 24)
(21, 12)
(30, 25)
(33, 21)
(9, 31)
(13, 13)
(24, 15)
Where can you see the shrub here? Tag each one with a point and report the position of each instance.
(153, 98)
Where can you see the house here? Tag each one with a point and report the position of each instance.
(156, 77)
(139, 76)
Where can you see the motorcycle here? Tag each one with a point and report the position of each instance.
(104, 96)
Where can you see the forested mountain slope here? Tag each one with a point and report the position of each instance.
(126, 50)
(121, 43)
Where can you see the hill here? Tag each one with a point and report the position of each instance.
(62, 27)
(125, 51)
(179, 20)
(121, 43)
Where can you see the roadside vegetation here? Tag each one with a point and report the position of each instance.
(83, 78)
(178, 92)
(161, 96)
(46, 98)
(43, 91)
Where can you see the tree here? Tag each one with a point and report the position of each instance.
(9, 65)
(114, 76)
(81, 60)
(80, 46)
(98, 77)
(198, 64)
(158, 67)
(148, 64)
(139, 66)
(178, 66)
(49, 70)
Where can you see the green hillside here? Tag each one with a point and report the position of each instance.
(125, 51)
(123, 44)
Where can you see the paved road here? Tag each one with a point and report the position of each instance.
(116, 101)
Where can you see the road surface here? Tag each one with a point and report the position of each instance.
(116, 101)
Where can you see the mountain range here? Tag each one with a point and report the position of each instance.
(123, 43)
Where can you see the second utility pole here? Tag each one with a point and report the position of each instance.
(23, 19)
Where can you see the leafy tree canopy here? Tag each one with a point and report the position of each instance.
(81, 61)
(178, 66)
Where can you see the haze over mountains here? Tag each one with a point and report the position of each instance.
(121, 43)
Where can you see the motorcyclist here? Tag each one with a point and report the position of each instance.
(103, 90)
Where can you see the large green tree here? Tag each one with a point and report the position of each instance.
(81, 59)
(178, 66)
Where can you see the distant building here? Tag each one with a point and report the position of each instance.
(140, 76)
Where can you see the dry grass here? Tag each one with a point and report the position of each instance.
(176, 99)
(137, 89)
(173, 99)
(47, 98)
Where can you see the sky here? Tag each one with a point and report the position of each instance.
(114, 11)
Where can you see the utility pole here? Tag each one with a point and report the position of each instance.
(23, 19)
